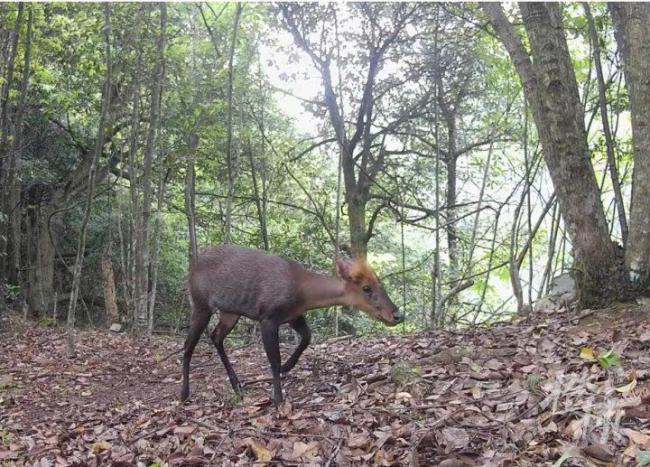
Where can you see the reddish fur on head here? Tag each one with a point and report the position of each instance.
(362, 272)
(357, 271)
(366, 291)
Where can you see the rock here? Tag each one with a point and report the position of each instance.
(544, 303)
(116, 327)
(562, 290)
(563, 287)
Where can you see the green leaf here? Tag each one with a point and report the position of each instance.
(643, 458)
(609, 359)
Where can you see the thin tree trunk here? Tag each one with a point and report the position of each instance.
(232, 171)
(515, 278)
(489, 267)
(631, 21)
(5, 162)
(14, 183)
(448, 113)
(190, 194)
(258, 201)
(264, 168)
(529, 210)
(156, 251)
(479, 205)
(142, 317)
(436, 282)
(6, 88)
(546, 276)
(125, 264)
(81, 245)
(609, 140)
(135, 271)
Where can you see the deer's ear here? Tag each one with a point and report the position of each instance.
(343, 268)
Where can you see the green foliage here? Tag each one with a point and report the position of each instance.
(534, 382)
(609, 359)
(47, 322)
(277, 159)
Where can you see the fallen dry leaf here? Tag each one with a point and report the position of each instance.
(637, 437)
(587, 353)
(305, 451)
(101, 446)
(262, 454)
(627, 388)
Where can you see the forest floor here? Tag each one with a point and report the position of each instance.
(532, 392)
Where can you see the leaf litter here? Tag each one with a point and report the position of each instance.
(555, 388)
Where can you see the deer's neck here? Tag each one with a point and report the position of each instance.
(321, 291)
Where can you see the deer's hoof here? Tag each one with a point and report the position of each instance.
(185, 394)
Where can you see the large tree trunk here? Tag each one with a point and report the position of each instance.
(356, 204)
(551, 90)
(632, 23)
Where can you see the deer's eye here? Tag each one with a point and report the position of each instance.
(367, 289)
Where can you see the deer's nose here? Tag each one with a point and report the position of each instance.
(397, 316)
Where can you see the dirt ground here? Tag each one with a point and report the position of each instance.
(552, 389)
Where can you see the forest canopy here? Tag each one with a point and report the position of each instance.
(472, 152)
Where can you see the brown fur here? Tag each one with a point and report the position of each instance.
(240, 281)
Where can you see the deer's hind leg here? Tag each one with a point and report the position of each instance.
(226, 324)
(198, 322)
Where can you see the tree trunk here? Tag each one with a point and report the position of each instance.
(41, 271)
(357, 161)
(264, 169)
(230, 158)
(190, 194)
(5, 161)
(632, 22)
(261, 214)
(13, 182)
(552, 92)
(143, 253)
(92, 174)
(135, 270)
(609, 140)
(451, 162)
(156, 250)
(108, 281)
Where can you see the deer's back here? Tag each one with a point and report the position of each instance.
(242, 281)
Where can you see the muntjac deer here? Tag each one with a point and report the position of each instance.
(244, 282)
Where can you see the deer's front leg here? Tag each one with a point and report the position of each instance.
(300, 326)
